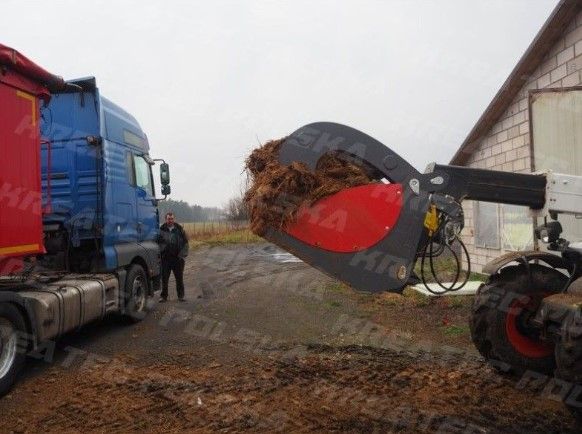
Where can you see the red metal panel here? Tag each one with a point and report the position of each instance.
(20, 187)
(351, 220)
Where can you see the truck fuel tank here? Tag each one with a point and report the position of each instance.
(67, 304)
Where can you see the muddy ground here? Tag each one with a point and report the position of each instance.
(268, 344)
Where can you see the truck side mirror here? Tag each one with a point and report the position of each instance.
(165, 175)
(166, 190)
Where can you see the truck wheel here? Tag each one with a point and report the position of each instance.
(136, 291)
(11, 356)
(500, 319)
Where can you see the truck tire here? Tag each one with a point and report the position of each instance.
(136, 293)
(12, 357)
(499, 321)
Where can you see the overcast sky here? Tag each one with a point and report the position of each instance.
(209, 80)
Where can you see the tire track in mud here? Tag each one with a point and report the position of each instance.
(331, 389)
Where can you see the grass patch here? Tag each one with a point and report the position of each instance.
(418, 299)
(240, 236)
(456, 302)
(389, 299)
(219, 233)
(331, 287)
(204, 229)
(479, 277)
(455, 330)
(336, 286)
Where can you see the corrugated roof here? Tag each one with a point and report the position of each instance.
(549, 34)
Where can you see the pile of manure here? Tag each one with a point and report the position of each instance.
(275, 191)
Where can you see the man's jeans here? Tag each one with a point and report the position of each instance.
(176, 265)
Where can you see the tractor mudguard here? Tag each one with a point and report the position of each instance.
(553, 261)
(366, 236)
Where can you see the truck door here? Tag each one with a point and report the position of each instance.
(147, 214)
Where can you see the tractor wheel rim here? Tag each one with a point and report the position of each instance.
(7, 346)
(138, 294)
(528, 346)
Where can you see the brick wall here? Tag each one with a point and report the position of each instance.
(507, 145)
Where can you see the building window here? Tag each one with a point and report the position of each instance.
(486, 218)
(517, 228)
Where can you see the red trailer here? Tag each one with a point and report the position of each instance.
(23, 87)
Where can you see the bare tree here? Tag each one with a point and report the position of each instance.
(235, 209)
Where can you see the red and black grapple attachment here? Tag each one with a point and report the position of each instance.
(371, 235)
(367, 236)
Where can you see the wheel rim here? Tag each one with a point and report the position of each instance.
(7, 346)
(139, 292)
(520, 336)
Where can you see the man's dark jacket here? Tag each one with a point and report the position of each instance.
(173, 243)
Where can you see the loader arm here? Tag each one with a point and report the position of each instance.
(370, 236)
(491, 185)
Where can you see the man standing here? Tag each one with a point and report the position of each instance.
(174, 248)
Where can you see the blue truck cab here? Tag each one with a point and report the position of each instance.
(90, 210)
(100, 207)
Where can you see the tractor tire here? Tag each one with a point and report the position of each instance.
(569, 368)
(12, 357)
(136, 294)
(499, 321)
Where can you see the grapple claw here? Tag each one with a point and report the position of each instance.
(366, 236)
